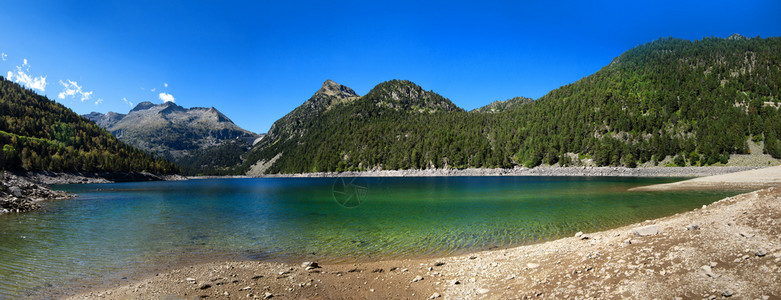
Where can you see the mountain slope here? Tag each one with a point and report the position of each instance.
(500, 106)
(39, 134)
(690, 102)
(699, 101)
(358, 131)
(296, 122)
(197, 139)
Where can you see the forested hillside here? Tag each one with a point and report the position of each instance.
(500, 106)
(39, 134)
(696, 101)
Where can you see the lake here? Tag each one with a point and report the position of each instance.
(119, 232)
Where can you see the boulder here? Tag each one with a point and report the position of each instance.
(309, 265)
(647, 230)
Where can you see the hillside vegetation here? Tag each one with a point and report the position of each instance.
(500, 106)
(39, 134)
(694, 101)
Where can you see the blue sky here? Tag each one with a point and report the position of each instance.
(257, 60)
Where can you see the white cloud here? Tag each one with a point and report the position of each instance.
(166, 97)
(71, 89)
(127, 102)
(165, 84)
(23, 76)
(3, 56)
(153, 89)
(99, 101)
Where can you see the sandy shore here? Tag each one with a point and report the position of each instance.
(731, 248)
(751, 179)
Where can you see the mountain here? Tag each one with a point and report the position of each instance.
(500, 106)
(200, 140)
(39, 134)
(672, 100)
(696, 101)
(296, 122)
(353, 123)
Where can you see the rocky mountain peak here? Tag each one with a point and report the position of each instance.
(332, 88)
(143, 106)
(406, 95)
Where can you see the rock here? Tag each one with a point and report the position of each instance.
(439, 264)
(693, 227)
(15, 190)
(728, 293)
(760, 252)
(417, 278)
(709, 272)
(646, 230)
(746, 234)
(435, 296)
(455, 282)
(205, 286)
(473, 257)
(309, 265)
(532, 265)
(579, 234)
(226, 294)
(268, 295)
(190, 279)
(246, 288)
(628, 242)
(483, 291)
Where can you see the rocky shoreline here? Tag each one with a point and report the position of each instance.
(48, 177)
(20, 194)
(537, 171)
(23, 192)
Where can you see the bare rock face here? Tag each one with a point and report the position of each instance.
(187, 136)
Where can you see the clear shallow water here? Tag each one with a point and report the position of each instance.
(115, 230)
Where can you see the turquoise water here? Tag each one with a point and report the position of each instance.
(121, 230)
